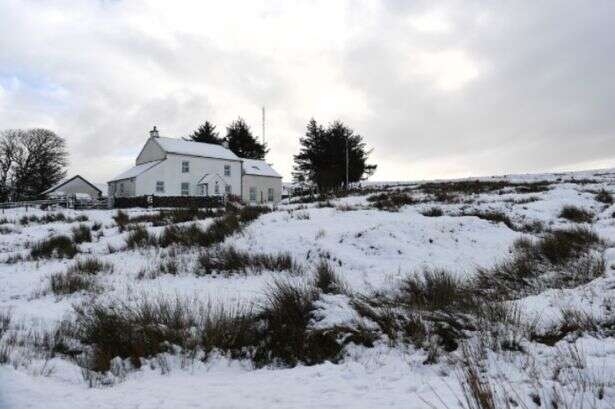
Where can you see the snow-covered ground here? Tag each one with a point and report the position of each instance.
(371, 249)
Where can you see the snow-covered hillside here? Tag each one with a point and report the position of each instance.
(520, 306)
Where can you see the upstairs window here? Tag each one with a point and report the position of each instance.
(160, 186)
(185, 189)
(227, 170)
(185, 166)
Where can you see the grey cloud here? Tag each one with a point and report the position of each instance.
(541, 98)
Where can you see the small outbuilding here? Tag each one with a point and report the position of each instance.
(260, 182)
(75, 186)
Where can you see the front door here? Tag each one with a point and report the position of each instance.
(203, 190)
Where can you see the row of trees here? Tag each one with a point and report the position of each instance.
(238, 137)
(31, 161)
(324, 154)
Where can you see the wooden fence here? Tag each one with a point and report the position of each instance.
(67, 202)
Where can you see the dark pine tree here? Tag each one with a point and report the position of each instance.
(207, 134)
(322, 157)
(241, 141)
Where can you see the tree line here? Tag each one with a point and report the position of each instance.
(324, 153)
(239, 139)
(31, 161)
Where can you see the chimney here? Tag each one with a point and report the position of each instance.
(153, 133)
(225, 144)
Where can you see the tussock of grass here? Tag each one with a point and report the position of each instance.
(559, 246)
(82, 234)
(277, 333)
(390, 201)
(327, 280)
(56, 246)
(51, 218)
(286, 313)
(121, 219)
(604, 197)
(139, 237)
(433, 212)
(70, 282)
(90, 266)
(174, 216)
(576, 214)
(436, 290)
(472, 187)
(493, 216)
(229, 260)
(217, 232)
(561, 259)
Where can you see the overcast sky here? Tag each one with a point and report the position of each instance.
(437, 90)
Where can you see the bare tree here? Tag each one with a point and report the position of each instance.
(9, 145)
(39, 161)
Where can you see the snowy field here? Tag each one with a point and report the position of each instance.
(372, 248)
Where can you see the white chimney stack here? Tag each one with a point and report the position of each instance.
(153, 133)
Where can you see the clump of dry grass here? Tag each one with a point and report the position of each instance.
(563, 258)
(229, 260)
(576, 214)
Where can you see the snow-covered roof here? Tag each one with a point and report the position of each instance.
(65, 181)
(103, 187)
(207, 150)
(259, 168)
(136, 170)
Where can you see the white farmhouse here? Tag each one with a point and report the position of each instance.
(175, 167)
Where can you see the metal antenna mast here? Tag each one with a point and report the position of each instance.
(263, 125)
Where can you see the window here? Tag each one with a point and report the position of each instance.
(270, 194)
(185, 189)
(227, 170)
(160, 186)
(253, 194)
(217, 188)
(121, 188)
(262, 198)
(227, 189)
(185, 166)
